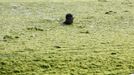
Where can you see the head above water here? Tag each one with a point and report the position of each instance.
(69, 19)
(69, 16)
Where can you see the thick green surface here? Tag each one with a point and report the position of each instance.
(33, 40)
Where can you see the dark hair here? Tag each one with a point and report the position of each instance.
(69, 16)
(69, 19)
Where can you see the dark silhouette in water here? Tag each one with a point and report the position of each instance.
(69, 19)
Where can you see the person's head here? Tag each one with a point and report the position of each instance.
(69, 16)
(69, 19)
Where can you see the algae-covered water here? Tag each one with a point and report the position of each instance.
(33, 40)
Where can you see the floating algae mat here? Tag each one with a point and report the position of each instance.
(33, 40)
